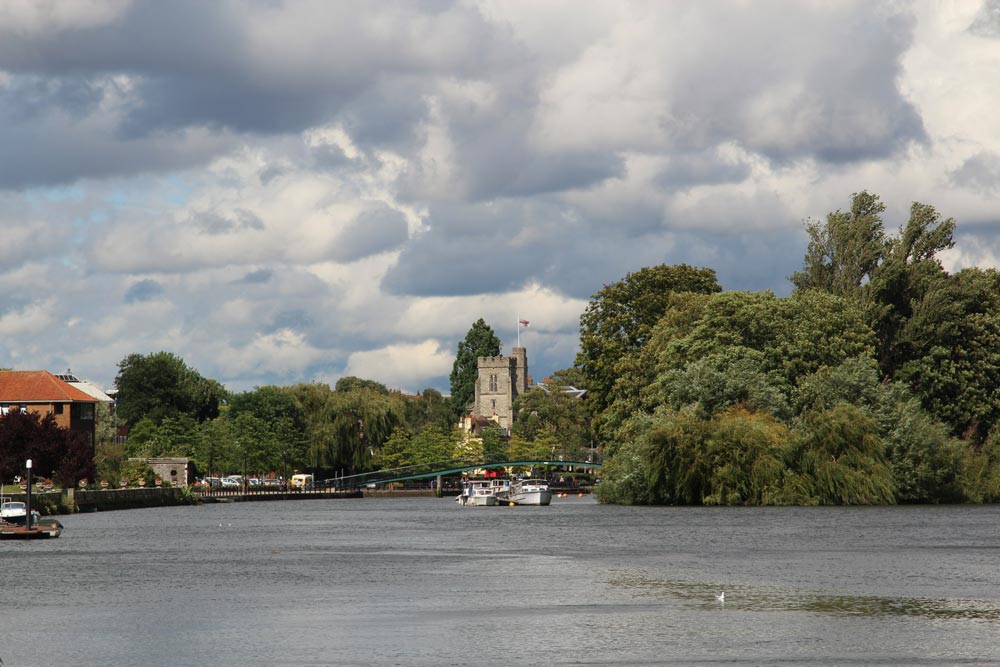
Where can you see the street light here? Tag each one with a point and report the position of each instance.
(27, 502)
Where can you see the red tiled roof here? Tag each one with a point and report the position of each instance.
(38, 387)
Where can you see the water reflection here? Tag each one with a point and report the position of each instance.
(756, 599)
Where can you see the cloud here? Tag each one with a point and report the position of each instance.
(403, 366)
(295, 191)
(144, 290)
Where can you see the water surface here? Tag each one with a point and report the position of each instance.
(421, 581)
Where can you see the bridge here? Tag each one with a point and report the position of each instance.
(437, 470)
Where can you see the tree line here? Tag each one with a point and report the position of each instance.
(359, 425)
(874, 382)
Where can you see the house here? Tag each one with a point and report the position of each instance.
(43, 393)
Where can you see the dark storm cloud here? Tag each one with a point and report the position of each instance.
(685, 170)
(295, 319)
(253, 68)
(214, 224)
(981, 172)
(24, 98)
(258, 277)
(372, 232)
(144, 290)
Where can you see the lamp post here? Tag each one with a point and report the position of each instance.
(27, 502)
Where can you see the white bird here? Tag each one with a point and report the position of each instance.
(721, 597)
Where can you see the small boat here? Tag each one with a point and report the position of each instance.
(14, 512)
(478, 493)
(529, 492)
(13, 525)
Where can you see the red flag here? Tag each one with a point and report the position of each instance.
(524, 323)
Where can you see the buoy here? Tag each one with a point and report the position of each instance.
(579, 495)
(510, 504)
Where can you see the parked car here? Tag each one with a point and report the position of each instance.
(231, 482)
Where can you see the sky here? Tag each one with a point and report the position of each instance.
(284, 192)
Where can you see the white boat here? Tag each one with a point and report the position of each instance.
(477, 492)
(14, 512)
(529, 492)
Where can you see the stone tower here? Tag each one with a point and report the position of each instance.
(501, 379)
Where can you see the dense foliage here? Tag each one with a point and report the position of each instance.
(876, 381)
(55, 452)
(161, 386)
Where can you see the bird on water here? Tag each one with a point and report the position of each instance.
(721, 597)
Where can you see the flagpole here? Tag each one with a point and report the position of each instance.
(519, 332)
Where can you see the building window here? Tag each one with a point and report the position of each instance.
(82, 410)
(493, 383)
(57, 408)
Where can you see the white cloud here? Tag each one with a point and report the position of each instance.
(402, 365)
(297, 191)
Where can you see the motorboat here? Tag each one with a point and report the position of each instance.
(529, 492)
(14, 512)
(478, 493)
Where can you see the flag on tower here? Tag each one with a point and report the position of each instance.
(524, 323)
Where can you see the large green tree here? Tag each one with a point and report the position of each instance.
(621, 316)
(845, 250)
(160, 385)
(480, 341)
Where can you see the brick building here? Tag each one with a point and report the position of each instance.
(43, 393)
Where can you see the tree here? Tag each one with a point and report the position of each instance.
(161, 385)
(351, 383)
(844, 252)
(839, 459)
(480, 341)
(621, 316)
(553, 414)
(908, 272)
(428, 408)
(53, 450)
(949, 351)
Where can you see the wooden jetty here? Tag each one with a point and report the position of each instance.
(44, 530)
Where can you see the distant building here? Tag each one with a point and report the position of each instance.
(176, 470)
(43, 393)
(500, 381)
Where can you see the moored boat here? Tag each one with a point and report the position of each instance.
(15, 512)
(529, 492)
(478, 493)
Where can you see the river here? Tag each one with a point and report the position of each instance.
(423, 582)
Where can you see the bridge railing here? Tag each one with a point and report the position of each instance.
(412, 471)
(435, 469)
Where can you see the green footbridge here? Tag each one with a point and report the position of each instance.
(439, 469)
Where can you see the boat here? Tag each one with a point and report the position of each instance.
(528, 492)
(478, 493)
(13, 525)
(14, 512)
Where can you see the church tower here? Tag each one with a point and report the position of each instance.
(500, 380)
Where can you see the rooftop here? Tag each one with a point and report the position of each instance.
(38, 387)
